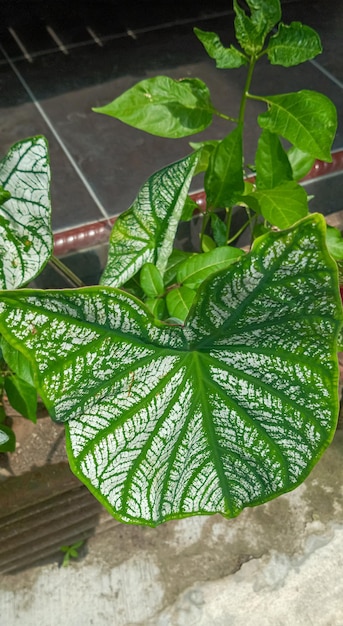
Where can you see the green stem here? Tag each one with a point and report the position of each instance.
(246, 89)
(239, 232)
(226, 117)
(67, 273)
(228, 221)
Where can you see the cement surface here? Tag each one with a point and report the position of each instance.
(280, 564)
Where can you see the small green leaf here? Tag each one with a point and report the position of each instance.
(195, 270)
(157, 306)
(179, 302)
(7, 439)
(301, 162)
(164, 107)
(188, 210)
(17, 361)
(272, 164)
(176, 258)
(224, 182)
(25, 230)
(205, 150)
(252, 31)
(22, 397)
(308, 120)
(4, 195)
(225, 58)
(282, 206)
(207, 243)
(218, 230)
(145, 233)
(293, 44)
(151, 280)
(334, 242)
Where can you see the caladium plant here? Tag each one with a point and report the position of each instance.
(192, 382)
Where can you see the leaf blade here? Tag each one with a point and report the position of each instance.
(145, 233)
(25, 217)
(164, 107)
(229, 410)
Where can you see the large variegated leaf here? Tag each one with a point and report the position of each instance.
(227, 411)
(25, 229)
(145, 233)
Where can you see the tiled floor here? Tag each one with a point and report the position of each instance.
(60, 59)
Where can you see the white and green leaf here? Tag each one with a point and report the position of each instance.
(145, 233)
(229, 410)
(25, 212)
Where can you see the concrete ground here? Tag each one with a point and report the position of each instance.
(280, 564)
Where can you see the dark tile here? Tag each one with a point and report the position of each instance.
(115, 159)
(327, 19)
(19, 119)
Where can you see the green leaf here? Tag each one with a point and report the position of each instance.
(145, 233)
(293, 44)
(301, 162)
(195, 270)
(308, 120)
(205, 150)
(334, 242)
(25, 230)
(22, 397)
(231, 409)
(224, 178)
(282, 206)
(164, 107)
(17, 362)
(272, 164)
(151, 280)
(207, 243)
(188, 210)
(179, 301)
(218, 230)
(157, 306)
(252, 31)
(4, 195)
(225, 58)
(176, 258)
(7, 439)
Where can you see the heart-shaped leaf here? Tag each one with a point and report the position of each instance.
(25, 229)
(164, 107)
(145, 233)
(229, 410)
(307, 119)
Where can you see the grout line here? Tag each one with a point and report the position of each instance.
(123, 35)
(94, 36)
(20, 45)
(57, 137)
(327, 73)
(57, 40)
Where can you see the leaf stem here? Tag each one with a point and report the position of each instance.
(226, 117)
(239, 232)
(66, 272)
(245, 95)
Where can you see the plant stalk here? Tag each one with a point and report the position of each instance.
(67, 273)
